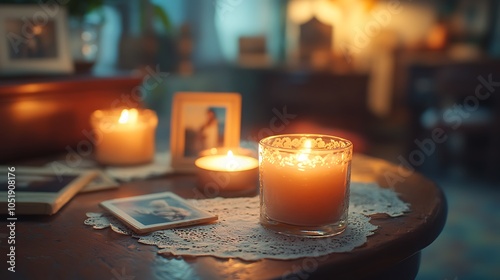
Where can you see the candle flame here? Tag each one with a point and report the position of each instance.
(123, 116)
(37, 29)
(308, 145)
(304, 153)
(128, 116)
(231, 163)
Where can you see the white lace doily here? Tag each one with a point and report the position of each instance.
(238, 234)
(159, 166)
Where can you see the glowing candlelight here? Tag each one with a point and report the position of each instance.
(127, 137)
(222, 173)
(305, 182)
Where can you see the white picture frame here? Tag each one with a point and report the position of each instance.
(34, 40)
(191, 130)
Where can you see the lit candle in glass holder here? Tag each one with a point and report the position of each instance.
(227, 172)
(125, 137)
(304, 184)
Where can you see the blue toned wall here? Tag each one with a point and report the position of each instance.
(236, 18)
(217, 25)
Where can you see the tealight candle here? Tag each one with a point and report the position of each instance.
(125, 137)
(304, 182)
(222, 172)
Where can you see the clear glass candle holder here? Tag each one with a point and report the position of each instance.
(304, 184)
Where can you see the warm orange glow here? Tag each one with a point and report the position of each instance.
(436, 39)
(128, 116)
(123, 116)
(304, 153)
(37, 30)
(326, 11)
(308, 144)
(28, 110)
(229, 162)
(126, 139)
(300, 11)
(302, 186)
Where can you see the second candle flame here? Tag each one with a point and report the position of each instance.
(231, 164)
(304, 153)
(128, 116)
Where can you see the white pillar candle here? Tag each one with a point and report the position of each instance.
(124, 137)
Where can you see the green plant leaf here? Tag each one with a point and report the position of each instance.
(160, 14)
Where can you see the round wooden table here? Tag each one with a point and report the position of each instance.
(62, 247)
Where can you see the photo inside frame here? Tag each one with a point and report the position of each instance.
(202, 121)
(41, 45)
(33, 42)
(204, 128)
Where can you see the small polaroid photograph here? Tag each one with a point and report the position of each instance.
(147, 213)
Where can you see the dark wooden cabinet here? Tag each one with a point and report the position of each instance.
(329, 99)
(459, 98)
(45, 116)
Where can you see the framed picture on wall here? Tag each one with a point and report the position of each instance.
(34, 40)
(200, 121)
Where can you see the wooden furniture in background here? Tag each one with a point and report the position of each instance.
(477, 131)
(62, 247)
(325, 98)
(442, 94)
(43, 116)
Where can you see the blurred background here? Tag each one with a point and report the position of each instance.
(413, 82)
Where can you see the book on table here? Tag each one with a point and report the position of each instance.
(39, 191)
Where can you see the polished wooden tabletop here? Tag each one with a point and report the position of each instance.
(62, 247)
